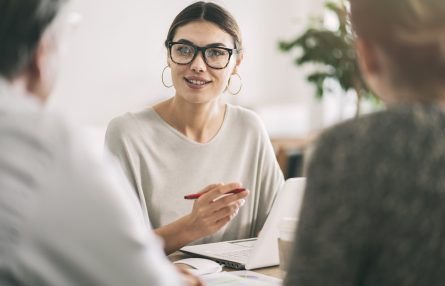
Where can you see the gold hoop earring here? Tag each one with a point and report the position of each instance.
(240, 84)
(162, 78)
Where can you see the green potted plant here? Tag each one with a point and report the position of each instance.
(333, 53)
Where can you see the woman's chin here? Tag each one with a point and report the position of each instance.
(201, 98)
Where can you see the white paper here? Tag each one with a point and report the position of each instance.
(240, 278)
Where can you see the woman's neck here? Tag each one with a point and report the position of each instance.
(199, 122)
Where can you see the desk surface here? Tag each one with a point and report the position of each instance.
(273, 271)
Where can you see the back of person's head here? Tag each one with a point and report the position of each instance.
(22, 25)
(411, 32)
(210, 12)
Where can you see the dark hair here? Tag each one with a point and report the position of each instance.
(22, 24)
(411, 32)
(207, 11)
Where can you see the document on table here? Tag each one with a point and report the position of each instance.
(240, 278)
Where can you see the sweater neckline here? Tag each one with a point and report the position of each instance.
(227, 115)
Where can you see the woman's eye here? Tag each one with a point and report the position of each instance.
(184, 50)
(216, 52)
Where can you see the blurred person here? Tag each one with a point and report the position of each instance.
(195, 139)
(60, 223)
(375, 199)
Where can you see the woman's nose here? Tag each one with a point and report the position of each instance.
(198, 64)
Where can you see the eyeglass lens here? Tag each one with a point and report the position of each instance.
(214, 57)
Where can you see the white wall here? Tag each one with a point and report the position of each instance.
(116, 56)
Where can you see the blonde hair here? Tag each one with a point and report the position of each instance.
(411, 32)
(426, 26)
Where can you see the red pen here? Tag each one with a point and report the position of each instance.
(195, 196)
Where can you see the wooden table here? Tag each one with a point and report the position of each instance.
(273, 271)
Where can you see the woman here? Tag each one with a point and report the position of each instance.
(194, 140)
(375, 199)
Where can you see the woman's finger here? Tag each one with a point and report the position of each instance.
(219, 191)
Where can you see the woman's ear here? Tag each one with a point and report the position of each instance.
(239, 59)
(167, 60)
(367, 56)
(375, 67)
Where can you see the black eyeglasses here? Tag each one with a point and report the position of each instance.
(214, 57)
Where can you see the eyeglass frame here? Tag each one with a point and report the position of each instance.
(202, 50)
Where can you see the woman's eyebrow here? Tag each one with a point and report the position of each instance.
(212, 45)
(184, 41)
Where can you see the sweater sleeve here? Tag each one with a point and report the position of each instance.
(270, 176)
(118, 144)
(119, 147)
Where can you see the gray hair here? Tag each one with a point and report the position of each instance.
(22, 25)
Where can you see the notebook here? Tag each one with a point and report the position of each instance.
(253, 253)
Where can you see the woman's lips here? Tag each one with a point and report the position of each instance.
(196, 83)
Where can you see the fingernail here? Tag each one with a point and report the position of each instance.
(242, 202)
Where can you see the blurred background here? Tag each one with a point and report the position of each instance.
(116, 55)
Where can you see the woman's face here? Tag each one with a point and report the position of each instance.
(196, 82)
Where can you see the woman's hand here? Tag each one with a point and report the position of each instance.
(211, 211)
(215, 208)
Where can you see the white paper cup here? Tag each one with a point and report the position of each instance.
(286, 234)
